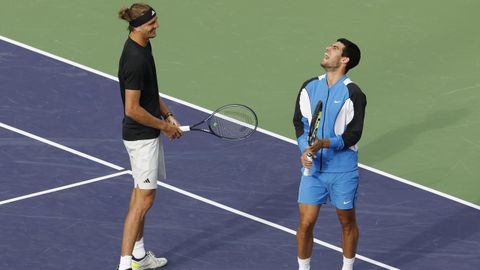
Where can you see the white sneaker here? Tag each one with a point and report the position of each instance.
(149, 262)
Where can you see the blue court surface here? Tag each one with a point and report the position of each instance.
(65, 186)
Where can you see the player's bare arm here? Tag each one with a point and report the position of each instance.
(139, 114)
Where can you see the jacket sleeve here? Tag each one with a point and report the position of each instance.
(302, 116)
(353, 131)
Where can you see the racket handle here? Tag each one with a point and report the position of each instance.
(307, 171)
(185, 128)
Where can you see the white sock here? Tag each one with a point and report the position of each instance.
(125, 263)
(139, 249)
(348, 263)
(303, 264)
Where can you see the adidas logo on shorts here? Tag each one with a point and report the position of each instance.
(146, 181)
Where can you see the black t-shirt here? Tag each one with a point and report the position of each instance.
(137, 72)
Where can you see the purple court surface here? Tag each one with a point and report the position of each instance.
(65, 184)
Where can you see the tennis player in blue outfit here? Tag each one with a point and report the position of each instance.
(340, 106)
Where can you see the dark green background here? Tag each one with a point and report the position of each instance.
(420, 67)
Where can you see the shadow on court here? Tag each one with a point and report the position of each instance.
(401, 138)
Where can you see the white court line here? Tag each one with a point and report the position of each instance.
(63, 187)
(65, 148)
(268, 223)
(283, 138)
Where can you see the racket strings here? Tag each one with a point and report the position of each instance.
(233, 123)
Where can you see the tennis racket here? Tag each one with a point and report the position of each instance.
(312, 133)
(231, 122)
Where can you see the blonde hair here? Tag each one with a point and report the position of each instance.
(134, 11)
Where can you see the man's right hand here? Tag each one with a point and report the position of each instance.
(306, 163)
(171, 131)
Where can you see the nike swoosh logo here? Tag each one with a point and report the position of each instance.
(347, 202)
(337, 101)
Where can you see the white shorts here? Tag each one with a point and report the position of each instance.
(148, 163)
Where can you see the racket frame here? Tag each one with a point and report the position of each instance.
(317, 115)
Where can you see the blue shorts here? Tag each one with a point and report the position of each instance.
(339, 188)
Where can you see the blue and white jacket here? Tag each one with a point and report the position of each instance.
(342, 115)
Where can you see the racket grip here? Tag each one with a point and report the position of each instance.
(308, 171)
(185, 128)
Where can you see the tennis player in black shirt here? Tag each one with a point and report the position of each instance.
(145, 117)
